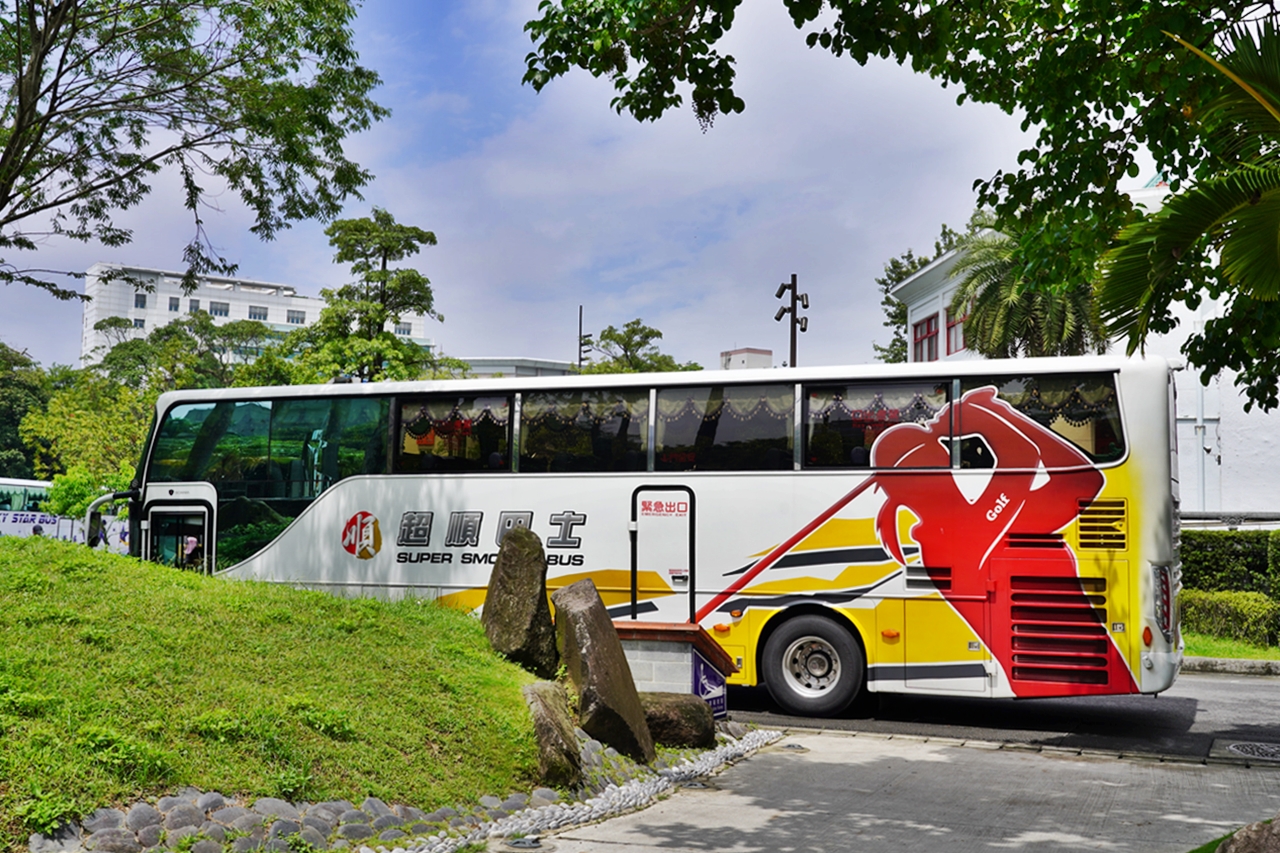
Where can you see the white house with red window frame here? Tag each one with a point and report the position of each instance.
(1228, 459)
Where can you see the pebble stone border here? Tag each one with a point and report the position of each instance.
(207, 822)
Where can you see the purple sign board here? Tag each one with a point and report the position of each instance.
(708, 683)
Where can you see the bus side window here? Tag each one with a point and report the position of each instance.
(602, 429)
(468, 433)
(1082, 408)
(726, 428)
(843, 421)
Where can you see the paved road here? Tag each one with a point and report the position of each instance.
(1185, 721)
(871, 793)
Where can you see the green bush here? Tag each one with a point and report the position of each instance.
(1238, 560)
(1250, 617)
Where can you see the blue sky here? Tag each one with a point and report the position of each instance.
(542, 202)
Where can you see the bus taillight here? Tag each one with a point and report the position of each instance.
(1164, 602)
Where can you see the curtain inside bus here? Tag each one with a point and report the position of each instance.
(604, 429)
(1082, 408)
(726, 428)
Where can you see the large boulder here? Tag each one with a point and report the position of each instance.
(679, 719)
(516, 617)
(1260, 837)
(609, 708)
(559, 757)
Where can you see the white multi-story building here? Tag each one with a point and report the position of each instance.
(746, 358)
(224, 299)
(1228, 459)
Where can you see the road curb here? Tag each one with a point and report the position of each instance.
(1231, 666)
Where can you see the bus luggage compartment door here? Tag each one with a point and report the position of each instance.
(662, 553)
(179, 524)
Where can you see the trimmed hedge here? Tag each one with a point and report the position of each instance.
(1250, 617)
(1238, 560)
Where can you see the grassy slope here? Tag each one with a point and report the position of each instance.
(120, 679)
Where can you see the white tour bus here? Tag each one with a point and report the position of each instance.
(978, 528)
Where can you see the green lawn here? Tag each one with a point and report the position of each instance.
(1205, 646)
(120, 679)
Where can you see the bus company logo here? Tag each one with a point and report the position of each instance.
(674, 509)
(361, 536)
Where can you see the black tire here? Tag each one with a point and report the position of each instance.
(812, 666)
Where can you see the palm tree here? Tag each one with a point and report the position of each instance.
(1009, 313)
(1224, 228)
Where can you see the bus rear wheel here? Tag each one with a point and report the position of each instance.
(812, 666)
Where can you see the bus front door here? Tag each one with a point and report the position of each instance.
(662, 553)
(179, 523)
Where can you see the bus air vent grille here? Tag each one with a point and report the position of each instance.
(1059, 629)
(1104, 525)
(928, 578)
(1035, 540)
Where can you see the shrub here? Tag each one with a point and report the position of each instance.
(1238, 560)
(1250, 617)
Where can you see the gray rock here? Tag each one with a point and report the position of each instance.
(183, 814)
(490, 802)
(247, 822)
(214, 831)
(173, 836)
(206, 845)
(226, 816)
(679, 720)
(392, 835)
(515, 803)
(547, 794)
(113, 840)
(340, 844)
(374, 807)
(387, 821)
(212, 801)
(609, 708)
(421, 829)
(355, 831)
(104, 819)
(409, 812)
(166, 803)
(143, 814)
(245, 843)
(1255, 838)
(313, 838)
(516, 617)
(64, 839)
(318, 823)
(559, 757)
(283, 828)
(276, 845)
(354, 816)
(273, 807)
(149, 836)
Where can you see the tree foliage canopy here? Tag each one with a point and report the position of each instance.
(24, 387)
(631, 349)
(101, 95)
(1012, 312)
(351, 337)
(1218, 237)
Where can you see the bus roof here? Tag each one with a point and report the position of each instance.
(956, 368)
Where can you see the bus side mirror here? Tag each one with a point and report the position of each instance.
(93, 536)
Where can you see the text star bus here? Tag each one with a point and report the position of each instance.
(984, 528)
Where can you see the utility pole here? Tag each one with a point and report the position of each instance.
(584, 342)
(797, 322)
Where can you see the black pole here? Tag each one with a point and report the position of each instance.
(794, 320)
(579, 338)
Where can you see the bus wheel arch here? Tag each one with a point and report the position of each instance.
(812, 659)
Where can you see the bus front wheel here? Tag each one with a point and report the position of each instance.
(812, 666)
